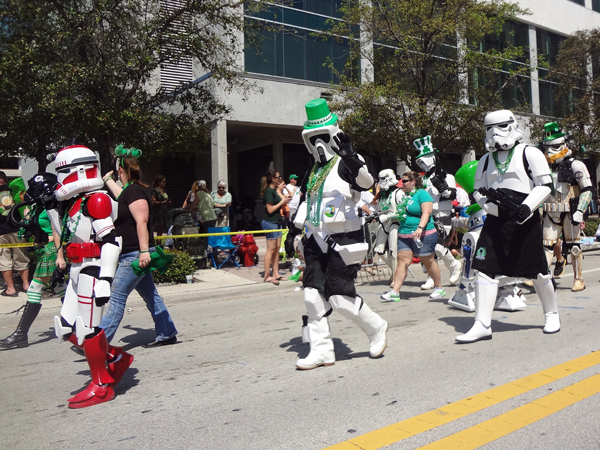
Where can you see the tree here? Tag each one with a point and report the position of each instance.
(578, 88)
(88, 70)
(435, 72)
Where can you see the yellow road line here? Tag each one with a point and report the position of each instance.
(432, 419)
(518, 418)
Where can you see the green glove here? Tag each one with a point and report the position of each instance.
(159, 260)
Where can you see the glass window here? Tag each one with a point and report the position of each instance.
(596, 5)
(548, 45)
(579, 2)
(294, 53)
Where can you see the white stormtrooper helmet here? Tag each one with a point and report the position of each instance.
(78, 171)
(501, 131)
(387, 179)
(555, 146)
(319, 142)
(427, 162)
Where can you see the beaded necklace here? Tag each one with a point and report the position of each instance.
(503, 167)
(124, 187)
(315, 189)
(66, 234)
(386, 199)
(401, 213)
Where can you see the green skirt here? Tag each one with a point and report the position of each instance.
(46, 260)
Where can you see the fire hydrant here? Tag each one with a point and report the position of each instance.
(248, 250)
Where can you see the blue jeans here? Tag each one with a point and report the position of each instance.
(126, 281)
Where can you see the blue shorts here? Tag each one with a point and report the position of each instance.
(408, 245)
(271, 226)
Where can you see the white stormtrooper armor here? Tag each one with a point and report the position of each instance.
(564, 209)
(510, 296)
(334, 245)
(434, 180)
(386, 244)
(93, 249)
(521, 175)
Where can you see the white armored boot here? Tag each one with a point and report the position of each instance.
(544, 288)
(577, 259)
(453, 265)
(370, 322)
(428, 285)
(321, 345)
(486, 289)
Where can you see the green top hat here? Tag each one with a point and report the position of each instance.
(552, 131)
(424, 146)
(318, 115)
(465, 176)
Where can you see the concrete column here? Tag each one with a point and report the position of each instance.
(401, 167)
(588, 4)
(535, 80)
(463, 78)
(366, 51)
(218, 152)
(468, 156)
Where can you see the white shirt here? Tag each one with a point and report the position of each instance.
(295, 202)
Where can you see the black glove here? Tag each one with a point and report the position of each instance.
(440, 184)
(523, 213)
(345, 150)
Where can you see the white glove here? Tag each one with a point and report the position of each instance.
(384, 218)
(577, 216)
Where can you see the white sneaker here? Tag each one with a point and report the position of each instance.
(391, 296)
(438, 292)
(455, 272)
(429, 284)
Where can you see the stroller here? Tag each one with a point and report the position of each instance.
(183, 223)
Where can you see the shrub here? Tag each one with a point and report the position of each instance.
(182, 265)
(591, 225)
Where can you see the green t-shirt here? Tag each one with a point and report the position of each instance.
(44, 222)
(271, 196)
(413, 213)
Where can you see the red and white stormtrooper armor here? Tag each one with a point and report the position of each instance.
(386, 244)
(334, 245)
(510, 296)
(93, 249)
(563, 210)
(442, 188)
(510, 242)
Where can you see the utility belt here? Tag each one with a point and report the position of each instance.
(352, 247)
(76, 252)
(569, 206)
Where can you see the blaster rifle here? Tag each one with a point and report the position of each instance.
(501, 198)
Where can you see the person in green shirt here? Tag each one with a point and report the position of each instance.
(415, 224)
(273, 220)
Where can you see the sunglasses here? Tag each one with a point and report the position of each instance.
(407, 181)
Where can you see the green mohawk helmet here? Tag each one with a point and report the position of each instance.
(423, 145)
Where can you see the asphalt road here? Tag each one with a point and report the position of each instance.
(231, 382)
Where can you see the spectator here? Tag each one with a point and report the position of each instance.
(294, 190)
(204, 205)
(273, 220)
(189, 199)
(222, 202)
(10, 258)
(295, 194)
(160, 206)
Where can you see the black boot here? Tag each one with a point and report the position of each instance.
(19, 338)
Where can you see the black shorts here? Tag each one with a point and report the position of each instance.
(507, 248)
(327, 272)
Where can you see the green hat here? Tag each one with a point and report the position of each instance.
(465, 176)
(424, 146)
(318, 115)
(552, 131)
(293, 176)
